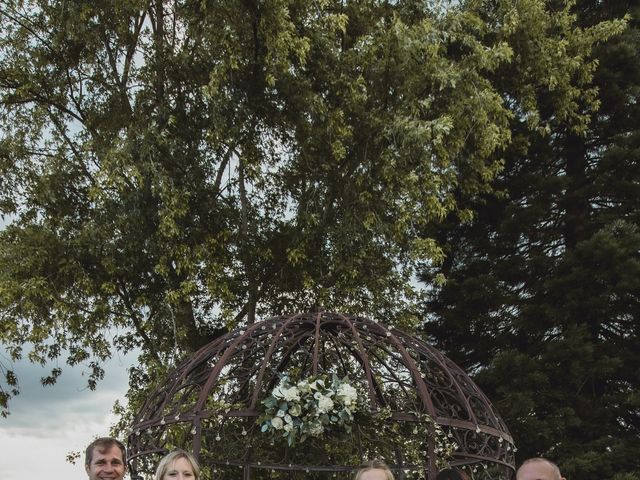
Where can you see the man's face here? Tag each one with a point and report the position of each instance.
(106, 464)
(537, 471)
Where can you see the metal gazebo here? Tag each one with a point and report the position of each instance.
(210, 403)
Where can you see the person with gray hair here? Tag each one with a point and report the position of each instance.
(538, 469)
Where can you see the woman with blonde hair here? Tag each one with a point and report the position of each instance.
(178, 465)
(374, 470)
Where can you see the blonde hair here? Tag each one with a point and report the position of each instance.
(169, 458)
(375, 465)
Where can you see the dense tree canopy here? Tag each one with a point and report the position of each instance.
(542, 293)
(172, 169)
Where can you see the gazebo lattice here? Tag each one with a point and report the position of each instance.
(209, 404)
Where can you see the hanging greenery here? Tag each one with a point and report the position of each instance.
(323, 406)
(313, 406)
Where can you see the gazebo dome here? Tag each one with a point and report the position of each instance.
(210, 403)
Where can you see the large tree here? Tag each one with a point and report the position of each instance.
(172, 169)
(541, 299)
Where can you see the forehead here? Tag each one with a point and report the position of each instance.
(180, 464)
(109, 453)
(374, 474)
(536, 471)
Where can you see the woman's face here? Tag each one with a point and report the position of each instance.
(374, 474)
(179, 469)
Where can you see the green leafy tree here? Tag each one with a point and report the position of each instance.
(170, 170)
(541, 299)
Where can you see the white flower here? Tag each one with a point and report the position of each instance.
(324, 404)
(280, 413)
(295, 410)
(347, 393)
(288, 427)
(276, 422)
(291, 394)
(304, 386)
(288, 419)
(278, 391)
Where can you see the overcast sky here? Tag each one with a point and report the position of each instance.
(46, 423)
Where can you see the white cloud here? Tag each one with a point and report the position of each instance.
(47, 423)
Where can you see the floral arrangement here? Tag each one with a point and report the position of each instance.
(319, 405)
(310, 407)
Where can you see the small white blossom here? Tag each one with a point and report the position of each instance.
(278, 392)
(277, 423)
(304, 386)
(295, 410)
(347, 393)
(324, 404)
(291, 394)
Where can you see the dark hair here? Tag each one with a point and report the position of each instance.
(452, 474)
(103, 444)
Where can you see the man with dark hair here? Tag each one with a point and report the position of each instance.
(538, 469)
(104, 459)
(452, 474)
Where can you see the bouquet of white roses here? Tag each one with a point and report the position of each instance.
(310, 407)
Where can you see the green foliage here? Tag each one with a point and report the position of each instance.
(172, 170)
(312, 407)
(541, 293)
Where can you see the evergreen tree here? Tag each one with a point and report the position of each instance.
(541, 299)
